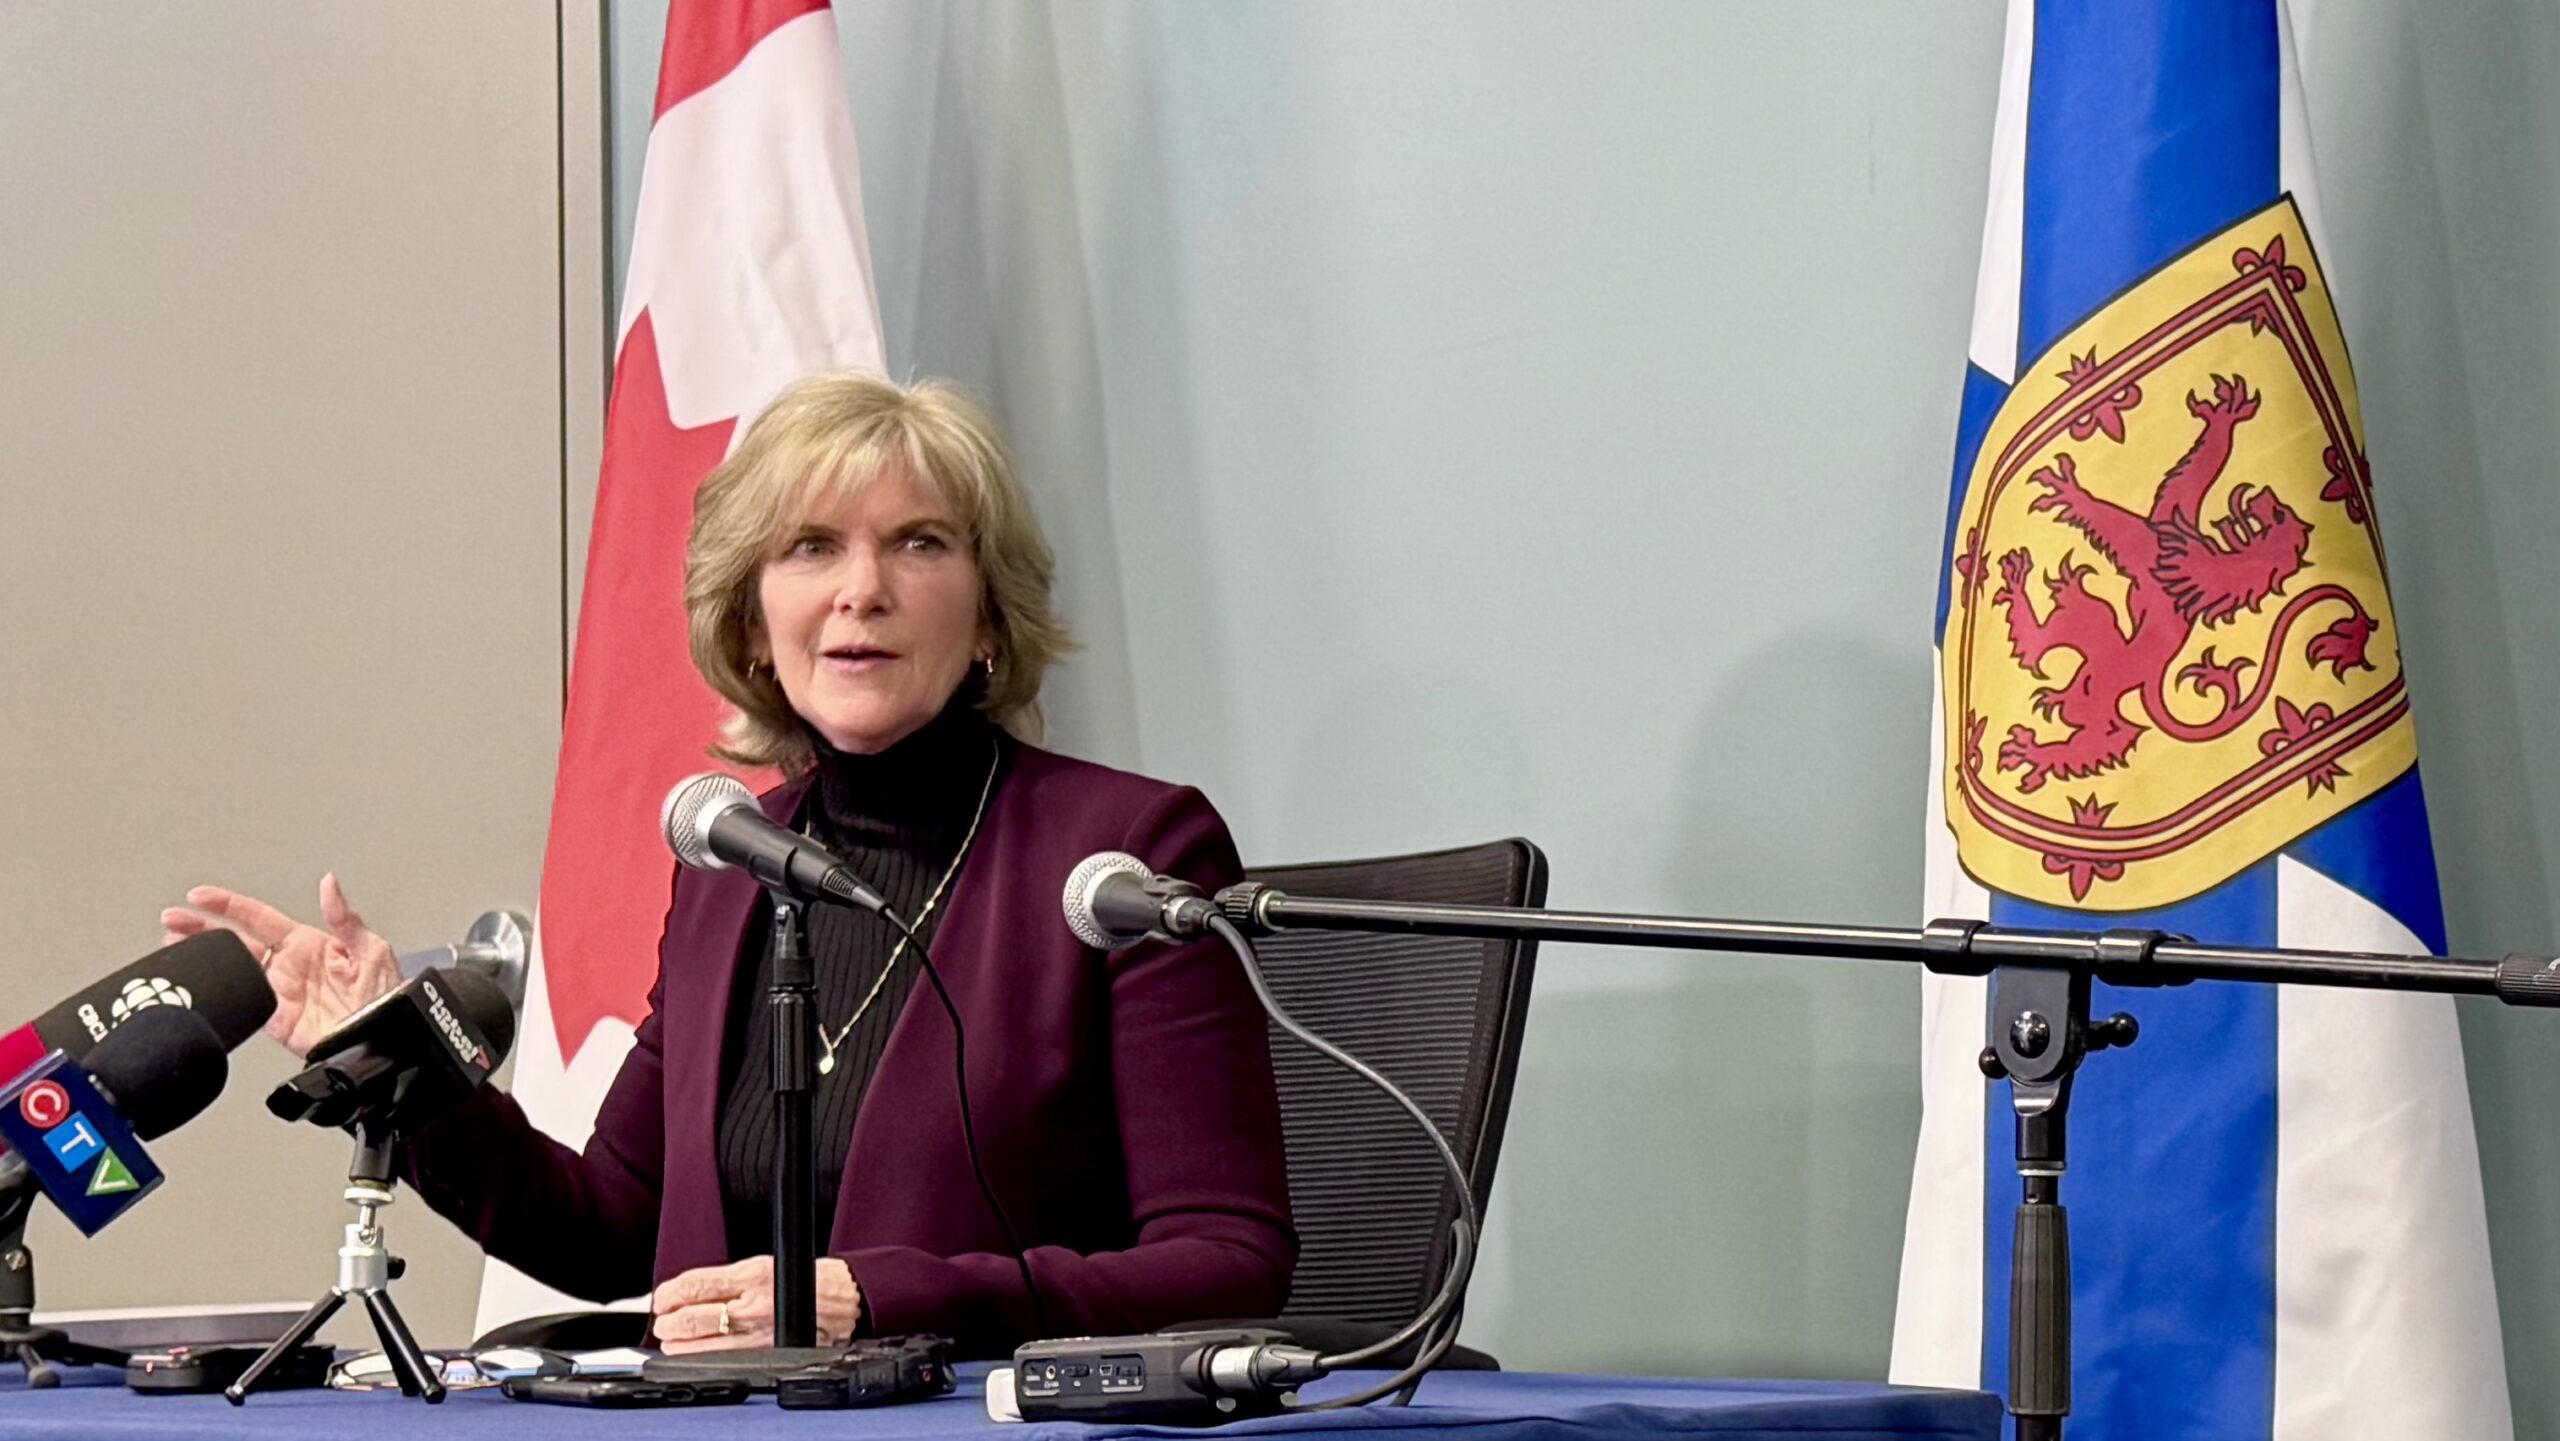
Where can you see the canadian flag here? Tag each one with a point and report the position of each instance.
(749, 268)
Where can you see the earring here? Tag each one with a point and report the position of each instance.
(989, 662)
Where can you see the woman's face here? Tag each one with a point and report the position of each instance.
(872, 614)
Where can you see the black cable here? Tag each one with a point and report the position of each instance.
(1463, 1229)
(968, 1128)
(1435, 1347)
(1461, 1265)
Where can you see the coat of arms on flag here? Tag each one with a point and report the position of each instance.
(2171, 699)
(2169, 647)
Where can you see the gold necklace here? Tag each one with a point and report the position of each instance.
(827, 1060)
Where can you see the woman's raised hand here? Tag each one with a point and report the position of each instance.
(320, 977)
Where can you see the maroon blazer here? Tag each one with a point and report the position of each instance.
(1123, 1102)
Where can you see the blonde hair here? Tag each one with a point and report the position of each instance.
(820, 442)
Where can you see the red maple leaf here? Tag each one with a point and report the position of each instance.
(639, 716)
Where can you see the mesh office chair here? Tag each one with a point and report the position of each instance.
(1440, 1016)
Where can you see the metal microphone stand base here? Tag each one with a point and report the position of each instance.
(43, 1350)
(366, 1269)
(757, 1366)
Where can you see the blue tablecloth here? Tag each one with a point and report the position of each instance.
(1457, 1406)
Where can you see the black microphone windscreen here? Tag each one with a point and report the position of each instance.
(161, 1068)
(484, 1006)
(212, 974)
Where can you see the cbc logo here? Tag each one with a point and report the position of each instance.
(142, 995)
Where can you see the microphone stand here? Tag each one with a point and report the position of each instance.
(35, 1347)
(2040, 1031)
(795, 1202)
(366, 1269)
(791, 1000)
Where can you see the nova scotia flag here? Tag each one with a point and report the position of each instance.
(2170, 696)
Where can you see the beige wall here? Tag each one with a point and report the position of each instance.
(291, 392)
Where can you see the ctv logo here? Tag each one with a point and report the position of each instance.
(73, 1141)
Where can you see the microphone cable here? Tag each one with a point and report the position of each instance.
(1463, 1230)
(968, 1127)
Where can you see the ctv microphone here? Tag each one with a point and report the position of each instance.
(76, 1129)
(406, 1058)
(1114, 900)
(212, 974)
(712, 823)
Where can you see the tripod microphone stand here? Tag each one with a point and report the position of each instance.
(2040, 1032)
(366, 1269)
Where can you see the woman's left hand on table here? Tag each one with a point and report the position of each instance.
(729, 1308)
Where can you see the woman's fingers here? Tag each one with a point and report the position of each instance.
(686, 1288)
(177, 923)
(262, 924)
(345, 922)
(713, 1283)
(738, 1339)
(716, 1325)
(341, 918)
(839, 1301)
(714, 1308)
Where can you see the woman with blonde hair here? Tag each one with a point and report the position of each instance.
(866, 585)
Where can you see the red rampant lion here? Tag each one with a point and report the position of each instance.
(2182, 570)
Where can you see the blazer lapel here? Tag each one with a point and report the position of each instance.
(911, 1101)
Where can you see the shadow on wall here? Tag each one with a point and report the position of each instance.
(1709, 1138)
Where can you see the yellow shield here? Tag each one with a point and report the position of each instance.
(2169, 645)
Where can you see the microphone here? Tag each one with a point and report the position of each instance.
(1113, 900)
(405, 1059)
(212, 974)
(712, 823)
(495, 946)
(75, 1129)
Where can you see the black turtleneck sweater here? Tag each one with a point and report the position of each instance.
(898, 819)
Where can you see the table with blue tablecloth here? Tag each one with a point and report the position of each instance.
(1452, 1406)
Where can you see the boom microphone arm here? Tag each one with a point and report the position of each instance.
(1956, 948)
(2040, 1032)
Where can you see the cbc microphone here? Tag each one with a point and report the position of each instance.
(1113, 900)
(712, 823)
(212, 974)
(75, 1128)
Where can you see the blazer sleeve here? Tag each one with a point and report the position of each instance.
(581, 1222)
(1199, 1124)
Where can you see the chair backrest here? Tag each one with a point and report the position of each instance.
(1441, 1016)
